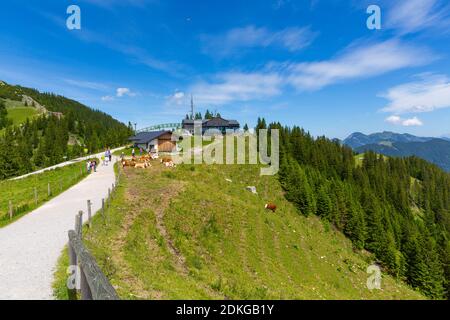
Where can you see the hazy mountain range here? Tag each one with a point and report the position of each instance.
(435, 150)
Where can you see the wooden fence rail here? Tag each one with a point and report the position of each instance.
(94, 285)
(30, 198)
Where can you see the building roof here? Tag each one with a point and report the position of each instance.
(191, 122)
(146, 137)
(214, 122)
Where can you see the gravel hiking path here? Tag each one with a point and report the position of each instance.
(30, 247)
(63, 164)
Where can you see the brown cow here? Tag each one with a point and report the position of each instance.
(271, 206)
(141, 165)
(166, 159)
(128, 163)
(146, 157)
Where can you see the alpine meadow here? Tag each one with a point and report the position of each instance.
(226, 159)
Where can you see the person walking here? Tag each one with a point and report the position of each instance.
(88, 164)
(133, 153)
(110, 154)
(106, 158)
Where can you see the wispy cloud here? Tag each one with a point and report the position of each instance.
(107, 98)
(411, 122)
(87, 84)
(409, 16)
(358, 61)
(229, 87)
(114, 3)
(431, 92)
(122, 92)
(238, 39)
(138, 54)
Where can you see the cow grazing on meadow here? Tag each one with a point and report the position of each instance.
(166, 159)
(141, 165)
(271, 206)
(128, 163)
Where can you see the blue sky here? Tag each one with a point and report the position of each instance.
(312, 63)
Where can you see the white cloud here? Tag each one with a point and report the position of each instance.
(394, 119)
(179, 98)
(428, 94)
(293, 39)
(397, 120)
(409, 16)
(358, 61)
(121, 92)
(107, 98)
(231, 87)
(412, 122)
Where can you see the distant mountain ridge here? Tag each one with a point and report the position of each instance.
(359, 139)
(434, 150)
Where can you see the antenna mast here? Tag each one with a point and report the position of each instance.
(192, 107)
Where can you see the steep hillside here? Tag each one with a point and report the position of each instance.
(188, 233)
(396, 208)
(43, 129)
(436, 151)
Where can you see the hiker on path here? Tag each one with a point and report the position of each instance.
(106, 158)
(133, 153)
(88, 164)
(110, 154)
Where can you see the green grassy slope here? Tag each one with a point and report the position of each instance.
(187, 233)
(21, 192)
(21, 114)
(18, 112)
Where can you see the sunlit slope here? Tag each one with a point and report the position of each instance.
(189, 233)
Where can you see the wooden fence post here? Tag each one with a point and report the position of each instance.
(86, 293)
(103, 209)
(79, 224)
(10, 210)
(73, 263)
(49, 190)
(89, 204)
(93, 282)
